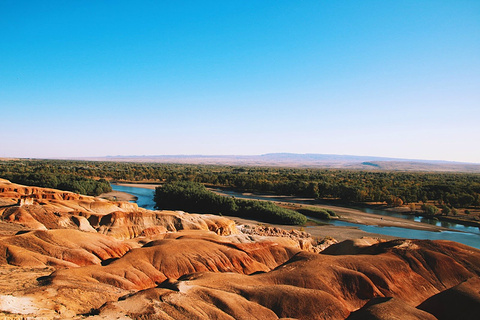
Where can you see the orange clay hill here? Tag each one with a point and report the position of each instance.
(67, 256)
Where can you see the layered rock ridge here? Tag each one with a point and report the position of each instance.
(43, 209)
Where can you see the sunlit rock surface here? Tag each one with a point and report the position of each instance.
(63, 256)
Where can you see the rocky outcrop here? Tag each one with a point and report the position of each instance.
(292, 238)
(127, 225)
(12, 190)
(53, 209)
(187, 270)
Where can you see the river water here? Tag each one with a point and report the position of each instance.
(464, 234)
(144, 196)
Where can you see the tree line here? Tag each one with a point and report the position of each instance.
(47, 177)
(461, 190)
(195, 198)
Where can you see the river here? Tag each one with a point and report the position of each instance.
(144, 196)
(464, 234)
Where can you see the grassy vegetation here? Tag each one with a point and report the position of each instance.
(194, 197)
(319, 213)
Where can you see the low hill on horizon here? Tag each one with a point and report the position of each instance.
(308, 160)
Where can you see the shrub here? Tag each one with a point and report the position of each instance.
(319, 213)
(446, 210)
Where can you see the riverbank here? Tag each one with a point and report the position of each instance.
(354, 223)
(461, 218)
(124, 196)
(360, 217)
(150, 186)
(117, 196)
(319, 231)
(346, 214)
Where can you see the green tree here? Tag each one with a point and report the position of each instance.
(430, 210)
(446, 210)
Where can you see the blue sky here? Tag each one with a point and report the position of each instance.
(380, 78)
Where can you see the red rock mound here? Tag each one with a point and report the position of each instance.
(312, 286)
(179, 255)
(128, 225)
(241, 297)
(389, 308)
(59, 248)
(12, 190)
(459, 302)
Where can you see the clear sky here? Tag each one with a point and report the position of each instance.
(380, 78)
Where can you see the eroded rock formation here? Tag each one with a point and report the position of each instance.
(55, 209)
(69, 256)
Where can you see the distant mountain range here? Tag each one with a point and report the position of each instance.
(309, 160)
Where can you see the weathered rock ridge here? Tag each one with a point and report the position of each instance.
(64, 255)
(59, 248)
(317, 286)
(42, 209)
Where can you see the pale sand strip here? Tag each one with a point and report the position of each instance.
(117, 196)
(348, 214)
(138, 185)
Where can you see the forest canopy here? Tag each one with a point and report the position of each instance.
(194, 197)
(460, 190)
(48, 177)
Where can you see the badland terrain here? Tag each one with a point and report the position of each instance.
(65, 255)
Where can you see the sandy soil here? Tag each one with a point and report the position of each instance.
(20, 305)
(117, 196)
(22, 278)
(15, 284)
(360, 217)
(9, 229)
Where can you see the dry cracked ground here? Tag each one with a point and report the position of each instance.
(67, 256)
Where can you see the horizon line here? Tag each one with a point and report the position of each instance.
(374, 158)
